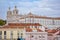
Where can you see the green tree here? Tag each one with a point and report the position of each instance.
(2, 22)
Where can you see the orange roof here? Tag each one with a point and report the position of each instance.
(39, 30)
(51, 31)
(28, 30)
(58, 33)
(20, 25)
(24, 24)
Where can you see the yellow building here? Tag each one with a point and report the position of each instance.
(13, 31)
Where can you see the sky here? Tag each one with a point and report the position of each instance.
(49, 8)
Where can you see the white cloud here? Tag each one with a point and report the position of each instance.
(41, 7)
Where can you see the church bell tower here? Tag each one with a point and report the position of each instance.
(15, 11)
(9, 14)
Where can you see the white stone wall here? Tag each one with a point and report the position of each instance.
(41, 21)
(45, 22)
(36, 36)
(57, 22)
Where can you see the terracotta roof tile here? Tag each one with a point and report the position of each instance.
(24, 24)
(20, 25)
(51, 31)
(58, 33)
(39, 30)
(28, 30)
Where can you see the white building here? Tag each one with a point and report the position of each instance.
(14, 17)
(32, 27)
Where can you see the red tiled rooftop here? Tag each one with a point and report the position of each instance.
(58, 33)
(20, 25)
(28, 30)
(24, 24)
(51, 31)
(39, 30)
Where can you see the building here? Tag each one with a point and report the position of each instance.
(28, 27)
(36, 36)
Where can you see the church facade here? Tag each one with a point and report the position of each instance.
(28, 27)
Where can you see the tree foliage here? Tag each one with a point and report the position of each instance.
(2, 22)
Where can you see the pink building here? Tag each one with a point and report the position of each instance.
(53, 34)
(35, 34)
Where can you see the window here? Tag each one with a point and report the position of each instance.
(18, 34)
(4, 35)
(0, 32)
(39, 36)
(4, 32)
(35, 26)
(0, 35)
(21, 34)
(11, 35)
(31, 36)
